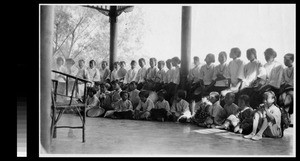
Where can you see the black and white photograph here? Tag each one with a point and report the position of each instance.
(167, 80)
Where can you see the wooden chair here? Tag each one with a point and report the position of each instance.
(70, 102)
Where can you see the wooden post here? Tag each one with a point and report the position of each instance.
(113, 36)
(46, 29)
(185, 44)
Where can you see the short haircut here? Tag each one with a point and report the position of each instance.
(196, 58)
(236, 51)
(92, 61)
(271, 52)
(123, 92)
(81, 60)
(211, 57)
(133, 62)
(223, 53)
(104, 62)
(142, 60)
(114, 82)
(133, 83)
(153, 59)
(181, 94)
(161, 62)
(116, 63)
(60, 59)
(176, 59)
(92, 89)
(251, 51)
(245, 98)
(144, 93)
(162, 93)
(230, 94)
(169, 61)
(122, 62)
(290, 55)
(267, 93)
(214, 94)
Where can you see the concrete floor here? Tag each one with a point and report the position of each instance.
(108, 137)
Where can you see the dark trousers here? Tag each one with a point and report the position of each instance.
(124, 115)
(158, 113)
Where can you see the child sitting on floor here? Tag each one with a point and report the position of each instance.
(216, 112)
(180, 108)
(230, 107)
(201, 111)
(123, 108)
(105, 97)
(133, 94)
(267, 119)
(161, 110)
(239, 122)
(93, 108)
(144, 107)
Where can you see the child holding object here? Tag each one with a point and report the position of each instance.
(267, 119)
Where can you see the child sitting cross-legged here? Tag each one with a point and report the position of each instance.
(180, 108)
(216, 112)
(201, 111)
(144, 107)
(93, 108)
(123, 108)
(161, 110)
(241, 121)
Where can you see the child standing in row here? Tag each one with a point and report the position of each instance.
(141, 74)
(220, 82)
(104, 72)
(122, 71)
(206, 74)
(152, 70)
(131, 73)
(234, 72)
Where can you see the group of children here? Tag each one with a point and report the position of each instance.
(208, 98)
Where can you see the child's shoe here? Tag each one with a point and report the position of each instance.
(256, 137)
(248, 136)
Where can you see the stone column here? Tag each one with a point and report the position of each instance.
(46, 29)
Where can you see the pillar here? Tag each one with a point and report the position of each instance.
(113, 36)
(46, 29)
(185, 44)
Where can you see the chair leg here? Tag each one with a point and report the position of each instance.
(83, 126)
